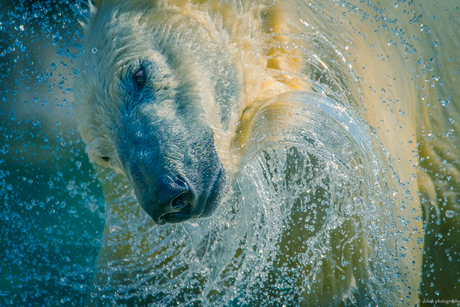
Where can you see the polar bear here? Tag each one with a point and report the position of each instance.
(168, 93)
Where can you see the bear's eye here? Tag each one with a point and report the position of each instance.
(105, 159)
(139, 78)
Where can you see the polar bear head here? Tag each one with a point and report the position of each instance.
(155, 98)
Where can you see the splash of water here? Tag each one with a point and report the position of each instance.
(309, 193)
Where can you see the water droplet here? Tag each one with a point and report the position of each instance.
(9, 187)
(444, 103)
(450, 214)
(402, 112)
(94, 50)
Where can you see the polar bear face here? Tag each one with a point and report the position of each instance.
(150, 103)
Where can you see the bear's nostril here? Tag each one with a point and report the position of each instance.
(178, 203)
(174, 200)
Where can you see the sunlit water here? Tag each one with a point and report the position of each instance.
(311, 190)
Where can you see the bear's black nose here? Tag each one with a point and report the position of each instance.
(175, 201)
